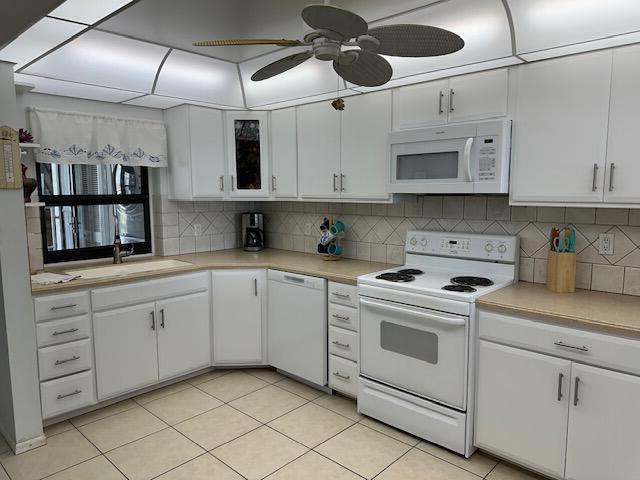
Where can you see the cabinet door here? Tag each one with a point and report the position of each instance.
(477, 96)
(623, 156)
(603, 425)
(207, 152)
(318, 151)
(560, 129)
(421, 105)
(125, 348)
(238, 316)
(184, 338)
(366, 123)
(522, 406)
(284, 153)
(248, 153)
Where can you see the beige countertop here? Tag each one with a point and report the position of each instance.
(344, 271)
(605, 312)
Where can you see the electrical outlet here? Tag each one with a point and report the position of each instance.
(606, 244)
(308, 229)
(197, 229)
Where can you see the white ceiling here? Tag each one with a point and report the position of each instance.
(141, 53)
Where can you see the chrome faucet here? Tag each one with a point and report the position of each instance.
(118, 254)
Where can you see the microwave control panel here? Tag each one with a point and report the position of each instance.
(487, 157)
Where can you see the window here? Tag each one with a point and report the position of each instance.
(82, 203)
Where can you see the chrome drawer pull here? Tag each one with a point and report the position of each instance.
(340, 344)
(582, 348)
(64, 332)
(560, 377)
(340, 317)
(341, 295)
(594, 184)
(67, 360)
(162, 317)
(62, 307)
(343, 377)
(65, 395)
(575, 392)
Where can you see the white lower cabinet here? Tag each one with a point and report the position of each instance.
(239, 317)
(126, 349)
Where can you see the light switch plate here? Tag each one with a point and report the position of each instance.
(605, 246)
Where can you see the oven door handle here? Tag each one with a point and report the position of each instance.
(452, 321)
(467, 158)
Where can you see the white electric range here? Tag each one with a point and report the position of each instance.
(418, 333)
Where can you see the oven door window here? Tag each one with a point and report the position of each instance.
(411, 342)
(427, 166)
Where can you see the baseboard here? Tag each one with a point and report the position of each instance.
(21, 447)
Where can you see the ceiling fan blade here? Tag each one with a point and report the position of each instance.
(327, 17)
(281, 65)
(369, 70)
(408, 40)
(255, 41)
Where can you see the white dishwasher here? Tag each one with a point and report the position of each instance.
(297, 325)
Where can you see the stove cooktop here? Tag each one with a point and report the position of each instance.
(396, 277)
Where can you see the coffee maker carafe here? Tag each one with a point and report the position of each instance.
(252, 231)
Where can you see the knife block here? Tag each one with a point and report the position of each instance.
(561, 272)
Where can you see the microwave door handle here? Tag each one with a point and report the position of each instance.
(467, 158)
(451, 321)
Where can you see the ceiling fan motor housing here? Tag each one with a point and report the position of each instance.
(326, 49)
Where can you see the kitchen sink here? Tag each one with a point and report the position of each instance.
(127, 268)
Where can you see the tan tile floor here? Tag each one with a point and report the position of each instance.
(234, 425)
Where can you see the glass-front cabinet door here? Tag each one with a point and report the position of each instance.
(248, 152)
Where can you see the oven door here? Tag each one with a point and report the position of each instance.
(415, 349)
(433, 166)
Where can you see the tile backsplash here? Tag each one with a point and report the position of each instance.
(377, 231)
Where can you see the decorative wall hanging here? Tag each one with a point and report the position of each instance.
(73, 137)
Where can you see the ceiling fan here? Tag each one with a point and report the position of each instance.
(335, 28)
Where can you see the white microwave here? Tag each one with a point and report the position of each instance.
(463, 158)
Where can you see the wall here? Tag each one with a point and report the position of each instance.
(377, 231)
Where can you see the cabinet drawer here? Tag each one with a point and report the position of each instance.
(345, 317)
(63, 330)
(611, 352)
(61, 306)
(66, 394)
(343, 343)
(343, 294)
(343, 375)
(64, 359)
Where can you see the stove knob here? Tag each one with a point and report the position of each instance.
(489, 247)
(502, 248)
(423, 242)
(413, 241)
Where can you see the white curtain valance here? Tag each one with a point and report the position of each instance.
(73, 137)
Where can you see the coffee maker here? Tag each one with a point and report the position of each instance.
(252, 231)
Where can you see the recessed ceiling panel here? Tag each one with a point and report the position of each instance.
(103, 59)
(204, 79)
(346, 92)
(77, 90)
(38, 39)
(546, 24)
(87, 11)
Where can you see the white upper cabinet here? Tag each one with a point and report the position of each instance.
(467, 97)
(318, 151)
(284, 153)
(623, 158)
(366, 123)
(560, 129)
(247, 140)
(196, 152)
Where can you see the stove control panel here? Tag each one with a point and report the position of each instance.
(498, 248)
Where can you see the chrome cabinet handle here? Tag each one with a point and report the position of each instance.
(221, 183)
(342, 177)
(162, 317)
(341, 295)
(440, 111)
(273, 183)
(594, 185)
(451, 94)
(62, 307)
(64, 332)
(335, 180)
(233, 183)
(340, 317)
(255, 287)
(294, 279)
(65, 395)
(560, 378)
(343, 377)
(582, 348)
(153, 321)
(67, 360)
(575, 392)
(340, 344)
(613, 167)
